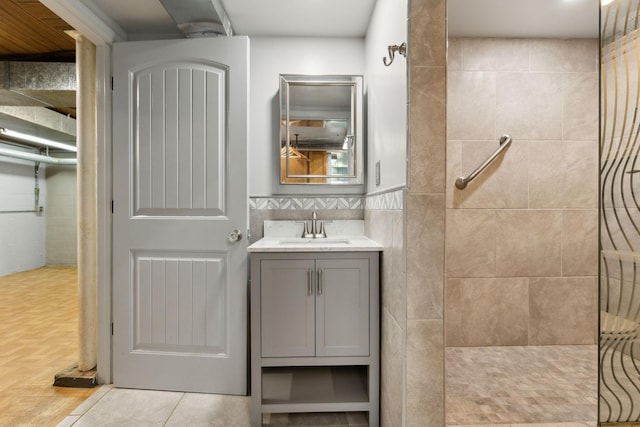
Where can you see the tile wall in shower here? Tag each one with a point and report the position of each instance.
(521, 245)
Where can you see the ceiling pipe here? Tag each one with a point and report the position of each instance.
(199, 18)
(36, 157)
(37, 140)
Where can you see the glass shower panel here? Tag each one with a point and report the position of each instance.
(620, 213)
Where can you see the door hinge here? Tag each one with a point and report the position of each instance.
(111, 328)
(111, 206)
(112, 83)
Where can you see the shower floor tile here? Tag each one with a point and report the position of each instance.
(532, 425)
(508, 386)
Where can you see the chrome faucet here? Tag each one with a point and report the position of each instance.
(317, 228)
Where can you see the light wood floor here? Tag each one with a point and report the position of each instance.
(39, 338)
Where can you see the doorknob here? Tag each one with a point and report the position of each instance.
(234, 236)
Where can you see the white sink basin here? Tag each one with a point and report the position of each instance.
(315, 242)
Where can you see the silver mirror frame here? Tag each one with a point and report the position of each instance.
(355, 136)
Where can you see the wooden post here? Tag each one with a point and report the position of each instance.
(87, 203)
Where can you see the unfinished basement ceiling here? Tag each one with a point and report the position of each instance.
(30, 31)
(37, 71)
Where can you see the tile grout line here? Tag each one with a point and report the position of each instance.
(174, 409)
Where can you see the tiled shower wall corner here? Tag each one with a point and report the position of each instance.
(425, 214)
(384, 223)
(521, 252)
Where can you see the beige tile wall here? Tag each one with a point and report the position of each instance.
(425, 214)
(521, 248)
(386, 226)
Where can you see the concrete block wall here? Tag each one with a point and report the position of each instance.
(30, 240)
(61, 216)
(22, 235)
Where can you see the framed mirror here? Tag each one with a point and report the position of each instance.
(321, 130)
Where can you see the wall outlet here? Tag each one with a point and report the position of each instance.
(378, 172)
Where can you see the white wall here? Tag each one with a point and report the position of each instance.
(61, 215)
(386, 96)
(270, 57)
(22, 235)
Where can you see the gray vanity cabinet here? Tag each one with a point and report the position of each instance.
(287, 301)
(315, 333)
(315, 307)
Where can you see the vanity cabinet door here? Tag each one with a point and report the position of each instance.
(287, 308)
(342, 307)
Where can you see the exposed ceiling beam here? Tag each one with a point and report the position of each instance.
(39, 121)
(40, 84)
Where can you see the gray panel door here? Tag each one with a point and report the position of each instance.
(180, 189)
(287, 308)
(342, 307)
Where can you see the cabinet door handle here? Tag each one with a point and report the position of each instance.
(319, 282)
(309, 282)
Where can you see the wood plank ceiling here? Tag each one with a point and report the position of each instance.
(31, 32)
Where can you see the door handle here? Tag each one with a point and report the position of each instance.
(319, 282)
(234, 236)
(309, 282)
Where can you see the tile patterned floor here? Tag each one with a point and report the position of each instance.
(39, 335)
(532, 425)
(110, 406)
(494, 387)
(521, 385)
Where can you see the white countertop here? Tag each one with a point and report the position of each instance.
(332, 244)
(284, 236)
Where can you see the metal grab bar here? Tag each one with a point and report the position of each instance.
(461, 183)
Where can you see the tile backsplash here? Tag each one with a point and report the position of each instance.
(306, 203)
(297, 208)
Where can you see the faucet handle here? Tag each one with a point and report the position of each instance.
(321, 230)
(305, 228)
(324, 226)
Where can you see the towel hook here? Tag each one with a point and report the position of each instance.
(402, 50)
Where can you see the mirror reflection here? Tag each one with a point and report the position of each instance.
(320, 129)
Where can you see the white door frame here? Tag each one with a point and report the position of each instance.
(103, 34)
